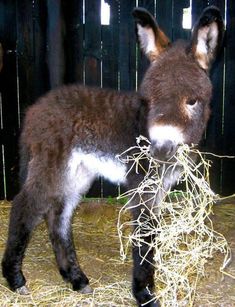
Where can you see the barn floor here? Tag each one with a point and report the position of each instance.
(96, 236)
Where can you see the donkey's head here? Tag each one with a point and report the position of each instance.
(176, 85)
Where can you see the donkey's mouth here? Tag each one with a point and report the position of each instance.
(163, 151)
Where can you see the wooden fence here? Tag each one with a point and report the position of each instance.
(50, 42)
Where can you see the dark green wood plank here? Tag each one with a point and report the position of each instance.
(148, 5)
(214, 133)
(143, 62)
(110, 51)
(93, 60)
(73, 40)
(41, 82)
(2, 191)
(9, 95)
(213, 138)
(55, 43)
(92, 43)
(164, 13)
(110, 47)
(127, 47)
(25, 52)
(197, 8)
(2, 174)
(228, 186)
(177, 18)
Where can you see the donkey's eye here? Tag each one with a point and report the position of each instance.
(191, 102)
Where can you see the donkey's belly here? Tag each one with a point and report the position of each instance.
(83, 168)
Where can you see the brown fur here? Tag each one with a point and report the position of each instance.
(76, 115)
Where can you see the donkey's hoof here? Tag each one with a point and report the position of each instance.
(22, 290)
(86, 290)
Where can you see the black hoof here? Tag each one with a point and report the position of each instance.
(15, 278)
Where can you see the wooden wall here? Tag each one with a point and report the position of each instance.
(50, 42)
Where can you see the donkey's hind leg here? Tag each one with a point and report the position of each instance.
(23, 218)
(60, 232)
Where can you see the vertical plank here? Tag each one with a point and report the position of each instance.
(177, 29)
(55, 44)
(148, 5)
(25, 53)
(110, 51)
(214, 129)
(41, 76)
(213, 136)
(32, 71)
(73, 40)
(2, 175)
(110, 47)
(2, 169)
(164, 14)
(92, 42)
(143, 62)
(127, 46)
(10, 120)
(197, 8)
(228, 171)
(2, 156)
(92, 60)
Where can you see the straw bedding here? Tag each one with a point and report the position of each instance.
(186, 240)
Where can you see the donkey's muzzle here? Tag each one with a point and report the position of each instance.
(163, 151)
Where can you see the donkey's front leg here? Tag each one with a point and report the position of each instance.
(143, 277)
(143, 264)
(60, 232)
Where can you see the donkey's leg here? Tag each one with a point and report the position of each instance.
(23, 218)
(60, 232)
(143, 263)
(76, 182)
(143, 256)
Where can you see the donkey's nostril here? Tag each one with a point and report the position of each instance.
(163, 151)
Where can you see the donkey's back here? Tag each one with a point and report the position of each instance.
(74, 115)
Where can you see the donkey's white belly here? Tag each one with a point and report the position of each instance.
(80, 172)
(83, 168)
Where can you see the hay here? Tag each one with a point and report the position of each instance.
(185, 238)
(44, 294)
(97, 248)
(98, 253)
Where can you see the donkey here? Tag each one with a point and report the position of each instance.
(73, 134)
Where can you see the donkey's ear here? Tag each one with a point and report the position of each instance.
(207, 36)
(152, 40)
